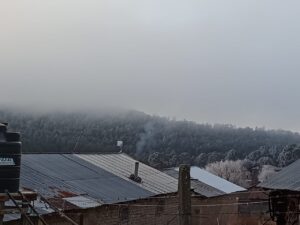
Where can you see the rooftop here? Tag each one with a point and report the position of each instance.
(89, 180)
(287, 179)
(206, 183)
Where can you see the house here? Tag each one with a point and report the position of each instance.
(220, 202)
(85, 185)
(284, 194)
(114, 189)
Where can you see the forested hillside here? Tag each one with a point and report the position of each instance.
(161, 142)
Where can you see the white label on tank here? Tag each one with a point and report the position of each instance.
(7, 162)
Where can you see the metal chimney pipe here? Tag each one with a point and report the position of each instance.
(136, 169)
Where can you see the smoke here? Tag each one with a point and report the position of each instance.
(145, 138)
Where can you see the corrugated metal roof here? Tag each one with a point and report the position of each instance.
(11, 217)
(287, 179)
(198, 186)
(83, 202)
(104, 178)
(122, 166)
(211, 185)
(214, 181)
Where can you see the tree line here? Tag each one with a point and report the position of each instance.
(159, 141)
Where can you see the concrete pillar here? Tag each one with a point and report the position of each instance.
(184, 194)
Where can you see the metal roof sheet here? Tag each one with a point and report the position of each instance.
(59, 176)
(83, 202)
(198, 186)
(286, 179)
(103, 178)
(11, 217)
(209, 181)
(122, 166)
(214, 181)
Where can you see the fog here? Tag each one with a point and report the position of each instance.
(209, 61)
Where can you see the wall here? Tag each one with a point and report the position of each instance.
(162, 210)
(243, 208)
(286, 207)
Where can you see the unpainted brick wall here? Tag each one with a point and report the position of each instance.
(163, 210)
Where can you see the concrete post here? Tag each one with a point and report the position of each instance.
(184, 194)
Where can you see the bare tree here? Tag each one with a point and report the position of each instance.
(233, 171)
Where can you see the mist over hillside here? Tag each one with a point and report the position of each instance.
(161, 142)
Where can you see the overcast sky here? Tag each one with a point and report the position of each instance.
(234, 61)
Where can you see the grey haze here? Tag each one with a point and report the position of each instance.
(210, 61)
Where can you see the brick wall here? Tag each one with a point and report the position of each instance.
(232, 209)
(223, 210)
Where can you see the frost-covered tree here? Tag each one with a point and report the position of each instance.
(233, 171)
(265, 160)
(232, 154)
(143, 135)
(288, 155)
(214, 157)
(201, 160)
(266, 172)
(257, 154)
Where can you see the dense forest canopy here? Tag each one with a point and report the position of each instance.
(159, 141)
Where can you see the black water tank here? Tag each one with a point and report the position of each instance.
(10, 159)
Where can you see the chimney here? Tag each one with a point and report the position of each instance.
(136, 169)
(135, 176)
